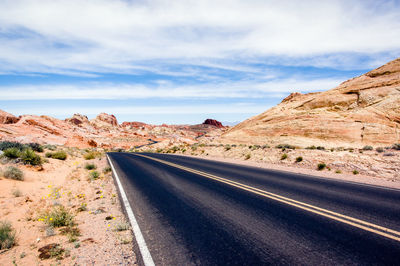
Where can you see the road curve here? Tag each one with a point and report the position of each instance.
(201, 212)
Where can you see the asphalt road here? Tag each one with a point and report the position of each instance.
(201, 212)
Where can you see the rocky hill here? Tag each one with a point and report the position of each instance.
(102, 131)
(360, 111)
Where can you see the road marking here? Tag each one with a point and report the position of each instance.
(147, 259)
(377, 229)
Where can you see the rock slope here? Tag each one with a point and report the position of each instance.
(361, 111)
(102, 131)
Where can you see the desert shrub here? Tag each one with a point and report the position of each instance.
(396, 146)
(89, 155)
(90, 166)
(355, 172)
(368, 148)
(284, 156)
(16, 192)
(50, 147)
(72, 232)
(265, 146)
(194, 147)
(248, 156)
(379, 149)
(58, 216)
(176, 148)
(338, 172)
(48, 154)
(285, 146)
(8, 144)
(28, 156)
(299, 159)
(321, 166)
(59, 155)
(123, 226)
(11, 153)
(94, 175)
(227, 147)
(7, 235)
(107, 169)
(159, 150)
(12, 172)
(35, 147)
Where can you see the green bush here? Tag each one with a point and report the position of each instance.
(58, 216)
(248, 156)
(30, 157)
(355, 172)
(59, 155)
(89, 156)
(7, 235)
(227, 147)
(299, 159)
(12, 172)
(90, 166)
(12, 153)
(50, 147)
(368, 148)
(380, 149)
(284, 156)
(8, 144)
(285, 146)
(321, 166)
(94, 175)
(35, 147)
(107, 169)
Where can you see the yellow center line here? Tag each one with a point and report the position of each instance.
(308, 207)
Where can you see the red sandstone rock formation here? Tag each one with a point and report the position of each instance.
(360, 111)
(7, 118)
(213, 123)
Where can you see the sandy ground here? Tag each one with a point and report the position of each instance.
(372, 167)
(65, 183)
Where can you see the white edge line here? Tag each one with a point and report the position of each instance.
(147, 259)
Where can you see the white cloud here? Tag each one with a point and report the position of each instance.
(119, 36)
(164, 90)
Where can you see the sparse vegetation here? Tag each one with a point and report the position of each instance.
(355, 172)
(338, 172)
(123, 226)
(248, 156)
(58, 216)
(299, 159)
(379, 149)
(368, 148)
(285, 146)
(7, 235)
(90, 166)
(35, 147)
(16, 193)
(315, 148)
(94, 175)
(90, 155)
(321, 166)
(284, 156)
(15, 173)
(227, 147)
(11, 153)
(28, 156)
(107, 169)
(59, 155)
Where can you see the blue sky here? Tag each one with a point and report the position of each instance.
(184, 61)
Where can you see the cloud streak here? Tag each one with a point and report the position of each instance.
(241, 89)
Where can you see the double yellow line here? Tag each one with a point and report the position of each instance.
(377, 229)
